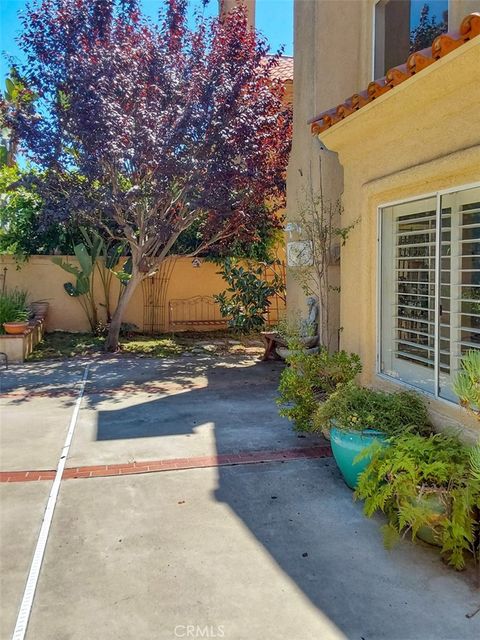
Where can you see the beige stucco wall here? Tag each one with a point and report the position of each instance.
(224, 6)
(44, 281)
(332, 59)
(458, 9)
(422, 136)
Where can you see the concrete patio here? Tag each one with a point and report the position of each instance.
(275, 548)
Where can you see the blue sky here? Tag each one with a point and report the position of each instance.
(274, 19)
(437, 7)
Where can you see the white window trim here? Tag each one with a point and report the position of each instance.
(378, 329)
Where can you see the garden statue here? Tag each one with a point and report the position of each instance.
(309, 326)
(306, 334)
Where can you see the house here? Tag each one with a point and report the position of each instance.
(403, 152)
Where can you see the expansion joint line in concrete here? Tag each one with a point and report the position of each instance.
(35, 567)
(175, 464)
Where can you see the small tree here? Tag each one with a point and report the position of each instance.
(152, 132)
(246, 300)
(427, 29)
(318, 225)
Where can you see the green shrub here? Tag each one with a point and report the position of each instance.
(356, 408)
(246, 300)
(13, 307)
(422, 481)
(308, 377)
(22, 233)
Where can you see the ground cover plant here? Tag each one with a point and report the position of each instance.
(169, 139)
(355, 408)
(63, 344)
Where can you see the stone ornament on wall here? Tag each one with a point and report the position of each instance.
(299, 254)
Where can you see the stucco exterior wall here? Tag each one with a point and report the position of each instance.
(458, 9)
(225, 6)
(332, 59)
(421, 137)
(44, 281)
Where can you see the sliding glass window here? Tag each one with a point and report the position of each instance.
(430, 288)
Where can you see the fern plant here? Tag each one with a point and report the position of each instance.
(423, 482)
(355, 408)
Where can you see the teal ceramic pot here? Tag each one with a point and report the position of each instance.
(346, 445)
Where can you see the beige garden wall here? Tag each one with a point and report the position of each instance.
(44, 281)
(422, 136)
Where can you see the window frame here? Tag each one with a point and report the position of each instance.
(374, 37)
(378, 289)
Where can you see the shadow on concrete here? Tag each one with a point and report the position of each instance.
(301, 512)
(237, 402)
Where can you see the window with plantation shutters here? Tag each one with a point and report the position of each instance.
(430, 288)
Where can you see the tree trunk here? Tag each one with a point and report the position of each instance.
(111, 343)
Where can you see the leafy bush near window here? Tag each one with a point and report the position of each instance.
(356, 408)
(13, 307)
(467, 383)
(425, 484)
(247, 298)
(309, 377)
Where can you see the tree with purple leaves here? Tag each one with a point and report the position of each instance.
(175, 140)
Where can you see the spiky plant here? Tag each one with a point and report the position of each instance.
(467, 383)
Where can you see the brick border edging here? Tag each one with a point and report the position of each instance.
(175, 464)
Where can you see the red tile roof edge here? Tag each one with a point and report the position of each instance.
(416, 62)
(283, 70)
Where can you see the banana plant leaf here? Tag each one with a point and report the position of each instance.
(83, 285)
(85, 259)
(114, 254)
(70, 268)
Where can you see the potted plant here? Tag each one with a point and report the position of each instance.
(429, 486)
(355, 417)
(14, 311)
(39, 309)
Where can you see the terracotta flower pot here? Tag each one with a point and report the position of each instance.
(15, 328)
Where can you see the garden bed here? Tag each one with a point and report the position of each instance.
(62, 344)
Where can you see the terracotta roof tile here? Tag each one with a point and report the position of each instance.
(416, 62)
(284, 69)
